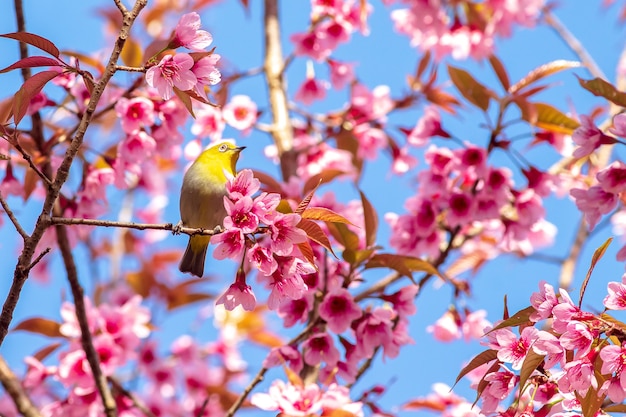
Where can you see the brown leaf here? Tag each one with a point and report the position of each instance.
(324, 214)
(176, 300)
(479, 360)
(500, 71)
(32, 62)
(542, 72)
(601, 88)
(531, 362)
(549, 118)
(316, 234)
(40, 325)
(307, 252)
(30, 183)
(44, 352)
(442, 99)
(475, 92)
(322, 178)
(306, 200)
(521, 317)
(405, 265)
(346, 237)
(370, 219)
(597, 255)
(185, 99)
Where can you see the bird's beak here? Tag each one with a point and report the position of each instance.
(240, 148)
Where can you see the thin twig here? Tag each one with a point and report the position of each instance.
(573, 43)
(13, 387)
(121, 6)
(39, 258)
(130, 225)
(9, 212)
(130, 69)
(132, 397)
(259, 376)
(30, 162)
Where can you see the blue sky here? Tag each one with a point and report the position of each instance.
(384, 58)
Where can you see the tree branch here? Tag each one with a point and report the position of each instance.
(136, 401)
(131, 225)
(274, 65)
(14, 388)
(9, 212)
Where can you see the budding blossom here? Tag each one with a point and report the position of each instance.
(187, 34)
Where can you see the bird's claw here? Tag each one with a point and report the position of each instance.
(218, 229)
(177, 228)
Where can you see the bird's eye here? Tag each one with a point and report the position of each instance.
(223, 147)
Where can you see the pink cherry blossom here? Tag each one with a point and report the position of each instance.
(619, 125)
(136, 147)
(612, 179)
(206, 72)
(403, 162)
(240, 215)
(10, 185)
(135, 113)
(208, 122)
(320, 347)
(244, 184)
(341, 73)
(371, 141)
(589, 138)
(616, 298)
(187, 33)
(403, 300)
(446, 328)
(311, 44)
(374, 329)
(549, 345)
(512, 349)
(289, 399)
(594, 202)
(295, 311)
(543, 302)
(230, 244)
(239, 293)
(462, 208)
(285, 234)
(287, 281)
(339, 310)
(578, 376)
(262, 258)
(475, 325)
(370, 105)
(579, 337)
(282, 355)
(427, 126)
(311, 90)
(240, 112)
(172, 71)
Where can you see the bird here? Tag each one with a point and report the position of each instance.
(202, 200)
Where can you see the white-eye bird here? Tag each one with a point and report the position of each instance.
(202, 199)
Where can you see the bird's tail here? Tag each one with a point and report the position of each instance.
(195, 254)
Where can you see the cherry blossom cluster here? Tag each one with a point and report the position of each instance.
(117, 329)
(461, 194)
(602, 197)
(276, 256)
(462, 29)
(572, 351)
(185, 71)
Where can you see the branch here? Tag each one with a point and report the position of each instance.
(14, 388)
(573, 43)
(130, 225)
(259, 376)
(9, 212)
(130, 69)
(133, 398)
(282, 132)
(20, 274)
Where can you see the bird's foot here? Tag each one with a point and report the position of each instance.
(218, 229)
(176, 229)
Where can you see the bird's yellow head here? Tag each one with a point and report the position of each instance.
(221, 159)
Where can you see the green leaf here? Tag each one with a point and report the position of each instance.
(472, 90)
(599, 87)
(597, 255)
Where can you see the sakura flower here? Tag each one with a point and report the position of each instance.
(543, 302)
(287, 281)
(339, 310)
(374, 329)
(512, 349)
(341, 73)
(262, 258)
(589, 138)
(579, 337)
(475, 325)
(279, 356)
(612, 179)
(578, 376)
(240, 215)
(616, 298)
(242, 185)
(427, 126)
(206, 72)
(594, 202)
(311, 44)
(172, 71)
(239, 293)
(446, 328)
(619, 125)
(240, 112)
(208, 122)
(295, 311)
(230, 244)
(320, 347)
(187, 34)
(135, 113)
(285, 234)
(311, 90)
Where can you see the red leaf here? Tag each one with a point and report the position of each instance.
(28, 90)
(35, 40)
(316, 234)
(324, 214)
(521, 317)
(498, 68)
(32, 62)
(479, 360)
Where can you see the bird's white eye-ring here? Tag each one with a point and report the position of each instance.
(223, 147)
